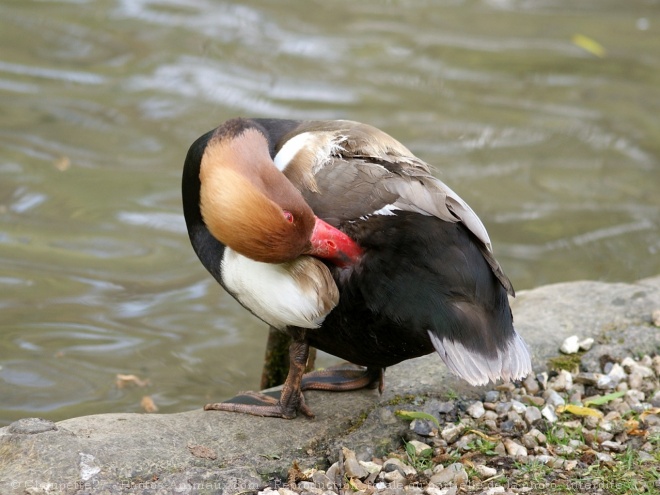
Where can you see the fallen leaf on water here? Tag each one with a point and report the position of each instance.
(62, 163)
(588, 45)
(148, 404)
(125, 380)
(579, 410)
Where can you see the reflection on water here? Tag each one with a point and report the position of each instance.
(557, 150)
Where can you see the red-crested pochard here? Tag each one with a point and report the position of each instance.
(335, 233)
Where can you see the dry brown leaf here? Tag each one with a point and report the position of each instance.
(148, 404)
(125, 380)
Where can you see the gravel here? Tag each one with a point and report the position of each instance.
(556, 427)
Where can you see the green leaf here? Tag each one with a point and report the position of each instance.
(410, 415)
(604, 399)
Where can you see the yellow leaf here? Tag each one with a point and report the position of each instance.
(580, 410)
(484, 436)
(588, 45)
(648, 412)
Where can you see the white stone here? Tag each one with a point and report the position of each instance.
(476, 409)
(514, 449)
(570, 345)
(548, 413)
(586, 344)
(485, 471)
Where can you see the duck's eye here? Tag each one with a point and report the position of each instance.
(288, 216)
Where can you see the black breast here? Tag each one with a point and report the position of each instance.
(418, 273)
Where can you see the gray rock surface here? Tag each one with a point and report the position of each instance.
(215, 452)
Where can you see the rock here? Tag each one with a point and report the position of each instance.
(138, 446)
(645, 456)
(562, 382)
(655, 317)
(548, 412)
(476, 409)
(605, 458)
(587, 378)
(518, 406)
(485, 471)
(570, 465)
(501, 408)
(419, 446)
(570, 345)
(538, 435)
(533, 400)
(492, 396)
(454, 474)
(553, 399)
(514, 449)
(586, 344)
(613, 446)
(323, 481)
(531, 385)
(422, 427)
(352, 467)
(532, 415)
(392, 464)
(395, 477)
(432, 489)
(451, 433)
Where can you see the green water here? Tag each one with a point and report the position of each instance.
(557, 149)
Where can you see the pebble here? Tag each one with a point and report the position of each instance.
(570, 345)
(655, 317)
(454, 474)
(548, 412)
(476, 409)
(485, 471)
(451, 433)
(517, 416)
(352, 467)
(422, 427)
(514, 449)
(531, 385)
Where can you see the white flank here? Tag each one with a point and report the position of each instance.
(513, 363)
(291, 148)
(322, 144)
(271, 293)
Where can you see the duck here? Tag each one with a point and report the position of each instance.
(338, 237)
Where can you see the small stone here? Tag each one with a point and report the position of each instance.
(422, 427)
(645, 457)
(419, 446)
(570, 465)
(494, 490)
(586, 344)
(500, 449)
(529, 441)
(395, 477)
(444, 407)
(613, 446)
(352, 467)
(371, 467)
(562, 382)
(485, 471)
(453, 474)
(393, 463)
(490, 415)
(587, 378)
(617, 373)
(655, 317)
(552, 398)
(538, 435)
(542, 378)
(514, 449)
(605, 382)
(506, 387)
(321, 480)
(518, 406)
(605, 458)
(432, 489)
(501, 408)
(507, 426)
(463, 444)
(548, 460)
(333, 474)
(548, 412)
(492, 396)
(533, 400)
(570, 345)
(531, 385)
(286, 491)
(451, 433)
(476, 409)
(635, 380)
(655, 400)
(491, 424)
